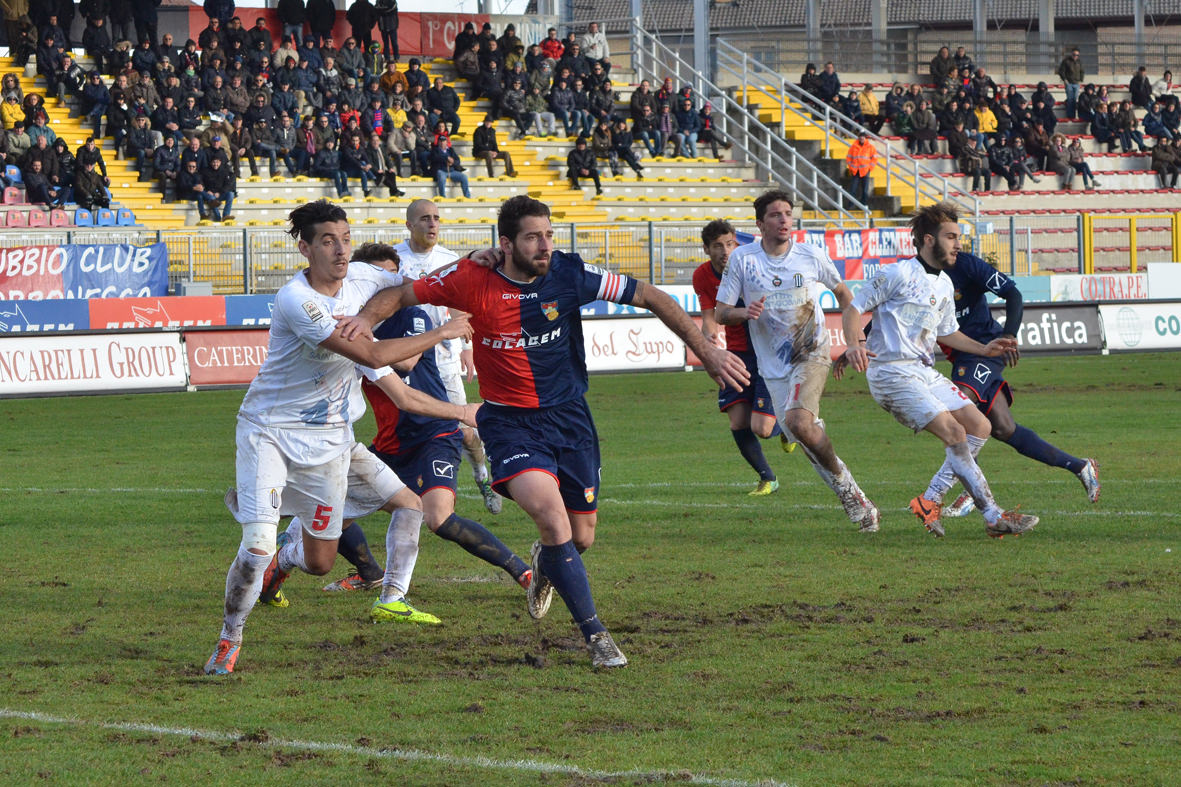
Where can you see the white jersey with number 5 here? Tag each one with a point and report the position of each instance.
(415, 266)
(301, 385)
(791, 328)
(911, 307)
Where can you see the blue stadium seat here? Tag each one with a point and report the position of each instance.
(83, 218)
(106, 218)
(13, 173)
(125, 218)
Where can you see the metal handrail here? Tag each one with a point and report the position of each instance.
(653, 60)
(906, 168)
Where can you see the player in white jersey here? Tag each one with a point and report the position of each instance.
(421, 254)
(913, 304)
(295, 426)
(781, 281)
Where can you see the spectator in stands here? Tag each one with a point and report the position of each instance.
(89, 152)
(666, 130)
(1154, 123)
(194, 152)
(416, 79)
(189, 186)
(49, 58)
(41, 128)
(962, 60)
(401, 145)
(594, 46)
(830, 83)
(445, 165)
(940, 100)
(1072, 73)
(1166, 163)
(576, 61)
(621, 148)
(467, 65)
(1141, 88)
(1164, 87)
(601, 140)
(362, 17)
(387, 23)
(708, 134)
(973, 161)
(512, 106)
(1044, 113)
(89, 188)
(380, 168)
(96, 42)
(37, 188)
(895, 100)
(986, 123)
(903, 125)
(551, 45)
(1078, 162)
(241, 145)
(41, 151)
(166, 163)
(1127, 127)
(96, 98)
(237, 97)
(321, 17)
(486, 148)
(941, 67)
(1171, 116)
(1000, 162)
(645, 127)
(688, 127)
(810, 80)
(561, 104)
(327, 164)
(601, 100)
(851, 108)
(1087, 101)
(860, 161)
(925, 129)
(292, 14)
(580, 163)
(355, 163)
(983, 87)
(583, 105)
(1037, 144)
(166, 119)
(219, 189)
(11, 110)
(444, 103)
(17, 141)
(545, 122)
(957, 139)
(871, 114)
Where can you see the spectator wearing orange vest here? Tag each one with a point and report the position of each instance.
(860, 160)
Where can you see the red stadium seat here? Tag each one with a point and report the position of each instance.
(38, 218)
(59, 218)
(17, 218)
(13, 196)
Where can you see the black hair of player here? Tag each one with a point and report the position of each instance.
(375, 252)
(508, 220)
(305, 218)
(927, 220)
(767, 198)
(714, 230)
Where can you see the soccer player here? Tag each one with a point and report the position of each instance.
(421, 254)
(749, 410)
(422, 447)
(913, 304)
(780, 282)
(535, 420)
(295, 425)
(981, 379)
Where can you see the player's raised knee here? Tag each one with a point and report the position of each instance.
(258, 538)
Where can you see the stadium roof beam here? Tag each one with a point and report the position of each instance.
(879, 16)
(701, 43)
(979, 26)
(1045, 31)
(812, 29)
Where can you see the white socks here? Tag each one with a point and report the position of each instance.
(962, 462)
(401, 553)
(243, 584)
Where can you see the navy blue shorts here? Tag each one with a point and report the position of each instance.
(433, 465)
(983, 376)
(559, 440)
(755, 394)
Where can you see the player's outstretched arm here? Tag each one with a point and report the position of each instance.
(388, 352)
(724, 367)
(379, 307)
(728, 314)
(412, 400)
(958, 341)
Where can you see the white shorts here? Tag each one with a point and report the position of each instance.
(371, 483)
(456, 393)
(914, 394)
(275, 478)
(800, 390)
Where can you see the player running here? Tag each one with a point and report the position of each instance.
(536, 424)
(295, 425)
(913, 304)
(981, 379)
(781, 281)
(749, 410)
(421, 254)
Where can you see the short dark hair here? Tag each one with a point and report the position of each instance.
(373, 252)
(765, 199)
(714, 230)
(305, 218)
(926, 221)
(508, 219)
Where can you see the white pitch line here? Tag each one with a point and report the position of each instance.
(779, 506)
(409, 755)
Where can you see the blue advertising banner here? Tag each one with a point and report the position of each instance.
(39, 316)
(39, 273)
(249, 309)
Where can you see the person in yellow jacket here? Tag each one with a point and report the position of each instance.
(870, 109)
(986, 120)
(11, 111)
(860, 160)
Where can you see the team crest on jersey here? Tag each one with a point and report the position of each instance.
(419, 482)
(551, 310)
(932, 300)
(777, 281)
(760, 402)
(960, 371)
(589, 494)
(313, 311)
(958, 295)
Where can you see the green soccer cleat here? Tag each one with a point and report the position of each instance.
(764, 488)
(786, 443)
(399, 610)
(492, 501)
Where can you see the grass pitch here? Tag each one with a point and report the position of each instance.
(769, 641)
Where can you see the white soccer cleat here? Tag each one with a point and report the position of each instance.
(962, 506)
(604, 652)
(871, 519)
(1089, 475)
(540, 592)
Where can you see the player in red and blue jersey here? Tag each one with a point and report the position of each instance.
(982, 379)
(536, 425)
(749, 409)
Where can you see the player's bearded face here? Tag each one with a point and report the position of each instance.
(719, 251)
(946, 245)
(533, 246)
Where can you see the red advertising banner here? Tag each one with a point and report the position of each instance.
(169, 312)
(225, 357)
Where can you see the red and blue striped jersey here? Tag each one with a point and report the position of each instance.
(400, 432)
(527, 343)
